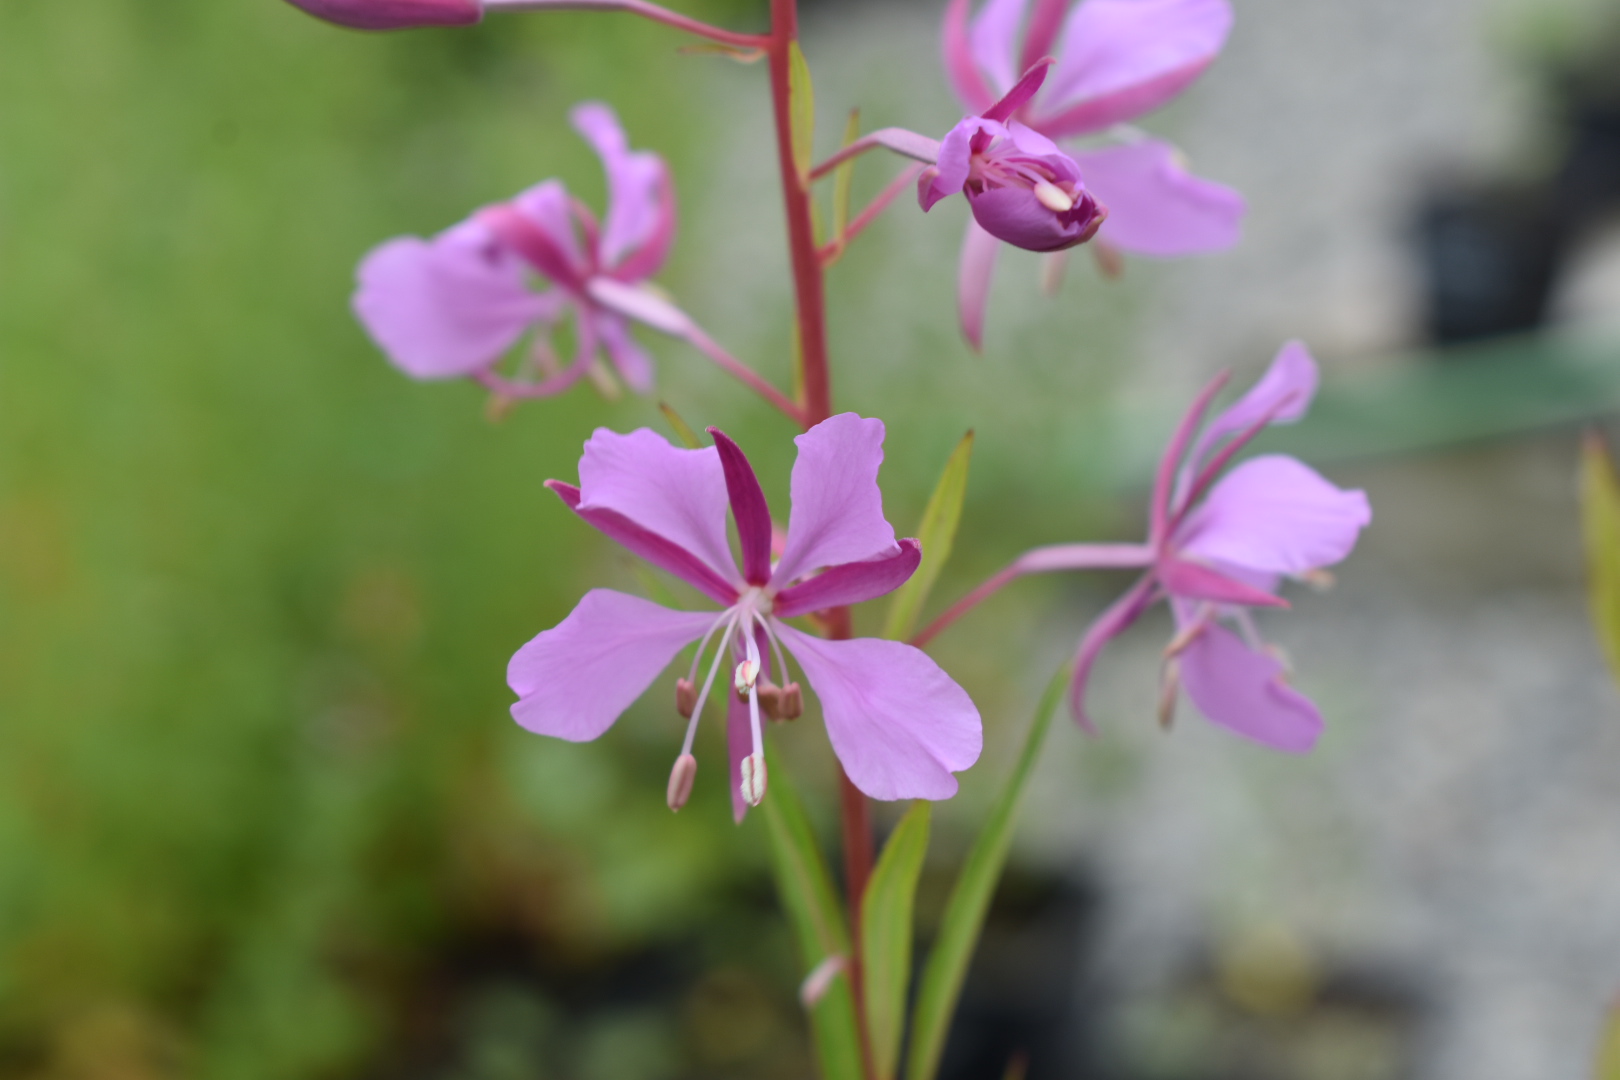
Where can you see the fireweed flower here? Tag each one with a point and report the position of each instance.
(1216, 550)
(455, 304)
(1021, 188)
(1115, 61)
(898, 723)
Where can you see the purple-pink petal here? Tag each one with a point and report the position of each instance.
(635, 180)
(973, 279)
(1119, 59)
(1282, 396)
(1277, 515)
(960, 66)
(748, 509)
(449, 306)
(1188, 580)
(1016, 216)
(1244, 692)
(675, 493)
(630, 360)
(574, 680)
(648, 545)
(393, 14)
(899, 725)
(851, 583)
(994, 39)
(1154, 206)
(837, 514)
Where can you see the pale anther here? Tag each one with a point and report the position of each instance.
(685, 697)
(745, 677)
(680, 781)
(752, 769)
(1053, 197)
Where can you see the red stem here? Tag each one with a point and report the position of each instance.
(810, 301)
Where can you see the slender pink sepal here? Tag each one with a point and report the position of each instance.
(650, 546)
(748, 509)
(1106, 110)
(1084, 557)
(1163, 482)
(393, 14)
(1044, 25)
(1109, 625)
(851, 583)
(1022, 91)
(1195, 581)
(964, 73)
(973, 279)
(518, 232)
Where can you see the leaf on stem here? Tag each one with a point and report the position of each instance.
(812, 907)
(886, 920)
(936, 533)
(843, 181)
(959, 929)
(1608, 1059)
(1600, 521)
(801, 109)
(683, 430)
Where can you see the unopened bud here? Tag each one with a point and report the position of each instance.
(680, 781)
(745, 677)
(1053, 197)
(685, 697)
(1169, 693)
(752, 769)
(820, 980)
(393, 14)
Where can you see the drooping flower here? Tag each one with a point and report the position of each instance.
(1217, 548)
(393, 14)
(454, 305)
(1021, 188)
(897, 722)
(1116, 61)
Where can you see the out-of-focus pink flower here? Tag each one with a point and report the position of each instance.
(900, 725)
(453, 305)
(1021, 188)
(1116, 60)
(393, 14)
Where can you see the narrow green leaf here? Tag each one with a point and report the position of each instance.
(937, 533)
(683, 430)
(959, 929)
(732, 52)
(812, 907)
(886, 912)
(843, 178)
(1608, 1060)
(801, 109)
(1600, 520)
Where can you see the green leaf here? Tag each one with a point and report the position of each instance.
(1608, 1061)
(801, 109)
(812, 907)
(683, 430)
(843, 178)
(936, 533)
(886, 912)
(963, 921)
(1600, 520)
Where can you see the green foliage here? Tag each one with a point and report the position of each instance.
(937, 534)
(886, 930)
(801, 109)
(1608, 1057)
(959, 929)
(812, 907)
(1600, 520)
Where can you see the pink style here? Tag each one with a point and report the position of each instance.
(1115, 60)
(899, 725)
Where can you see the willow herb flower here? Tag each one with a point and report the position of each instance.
(1215, 550)
(897, 722)
(1021, 188)
(1115, 61)
(454, 305)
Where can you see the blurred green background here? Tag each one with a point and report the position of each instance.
(262, 811)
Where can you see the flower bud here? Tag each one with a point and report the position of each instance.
(393, 14)
(685, 698)
(752, 769)
(680, 781)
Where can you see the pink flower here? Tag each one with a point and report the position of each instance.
(1021, 188)
(1116, 60)
(455, 304)
(393, 14)
(898, 723)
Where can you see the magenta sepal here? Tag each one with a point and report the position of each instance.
(393, 14)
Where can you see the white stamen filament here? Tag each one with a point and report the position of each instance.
(1053, 197)
(708, 684)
